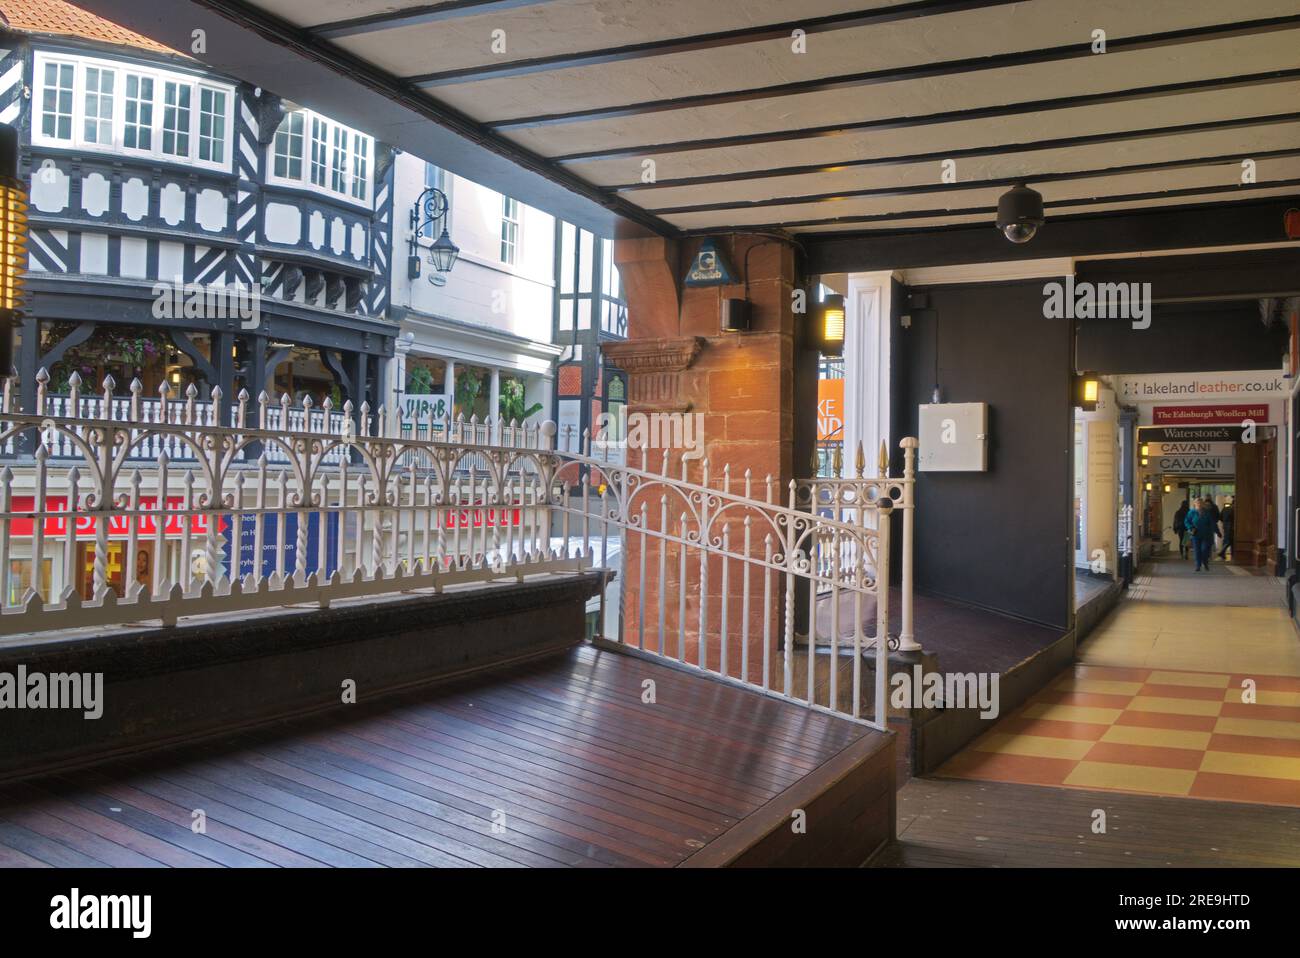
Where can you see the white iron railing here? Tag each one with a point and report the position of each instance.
(855, 500)
(160, 512)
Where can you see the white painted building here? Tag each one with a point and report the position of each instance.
(485, 324)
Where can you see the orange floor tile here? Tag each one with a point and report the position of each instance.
(1185, 734)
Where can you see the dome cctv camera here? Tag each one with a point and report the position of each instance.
(1020, 213)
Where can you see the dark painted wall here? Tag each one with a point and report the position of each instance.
(1184, 338)
(998, 539)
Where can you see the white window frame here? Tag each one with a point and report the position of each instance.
(121, 69)
(516, 234)
(352, 166)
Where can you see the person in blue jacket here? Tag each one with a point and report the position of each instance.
(1203, 527)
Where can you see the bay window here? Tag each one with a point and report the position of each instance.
(176, 118)
(82, 101)
(99, 105)
(314, 152)
(56, 101)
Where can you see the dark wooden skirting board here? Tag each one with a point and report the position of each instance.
(585, 773)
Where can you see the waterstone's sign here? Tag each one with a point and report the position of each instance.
(1200, 434)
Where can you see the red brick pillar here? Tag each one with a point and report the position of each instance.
(679, 361)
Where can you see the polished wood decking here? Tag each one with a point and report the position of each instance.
(555, 762)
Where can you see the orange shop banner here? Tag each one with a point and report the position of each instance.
(830, 410)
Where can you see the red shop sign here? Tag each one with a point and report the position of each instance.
(477, 518)
(1208, 415)
(118, 526)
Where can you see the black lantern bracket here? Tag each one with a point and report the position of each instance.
(428, 215)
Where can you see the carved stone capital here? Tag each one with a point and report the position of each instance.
(659, 355)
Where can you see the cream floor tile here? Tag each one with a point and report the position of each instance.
(1100, 686)
(1200, 680)
(1133, 778)
(1265, 697)
(1159, 737)
(1074, 713)
(1170, 706)
(1262, 728)
(1263, 766)
(1036, 746)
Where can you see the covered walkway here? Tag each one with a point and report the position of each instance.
(1191, 688)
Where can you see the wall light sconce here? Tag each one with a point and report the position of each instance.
(1168, 488)
(830, 325)
(736, 315)
(1149, 487)
(1087, 391)
(428, 213)
(1146, 450)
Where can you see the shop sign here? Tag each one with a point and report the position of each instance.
(1196, 465)
(271, 539)
(1208, 415)
(119, 526)
(830, 410)
(1249, 385)
(1158, 449)
(418, 408)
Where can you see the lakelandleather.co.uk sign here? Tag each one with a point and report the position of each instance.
(1248, 386)
(1226, 414)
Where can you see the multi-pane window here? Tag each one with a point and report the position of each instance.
(56, 101)
(288, 148)
(212, 125)
(318, 150)
(85, 101)
(360, 165)
(509, 230)
(98, 106)
(338, 159)
(176, 118)
(137, 119)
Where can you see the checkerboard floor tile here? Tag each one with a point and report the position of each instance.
(1151, 731)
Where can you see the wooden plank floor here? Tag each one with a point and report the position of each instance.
(560, 754)
(954, 823)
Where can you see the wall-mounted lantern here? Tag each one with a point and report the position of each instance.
(1168, 488)
(829, 330)
(13, 245)
(1087, 391)
(427, 215)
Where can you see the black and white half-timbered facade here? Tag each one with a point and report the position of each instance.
(188, 228)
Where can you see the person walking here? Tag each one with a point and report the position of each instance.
(1228, 518)
(1180, 528)
(1204, 529)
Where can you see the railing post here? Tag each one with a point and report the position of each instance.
(882, 613)
(907, 637)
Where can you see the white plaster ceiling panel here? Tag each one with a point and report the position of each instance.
(1031, 165)
(1113, 72)
(925, 40)
(969, 219)
(567, 27)
(1216, 177)
(998, 132)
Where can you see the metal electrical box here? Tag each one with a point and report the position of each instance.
(954, 437)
